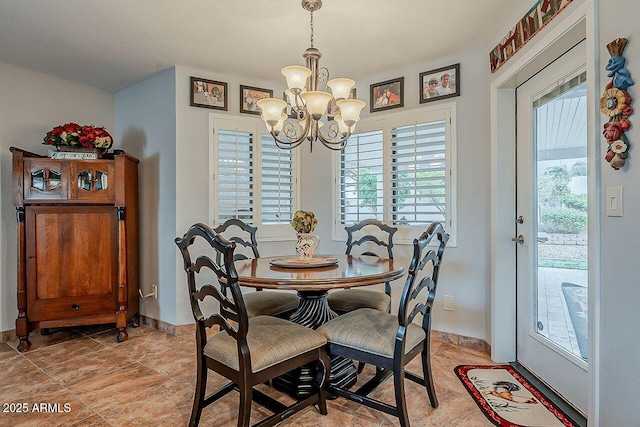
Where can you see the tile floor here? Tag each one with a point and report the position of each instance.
(552, 309)
(149, 381)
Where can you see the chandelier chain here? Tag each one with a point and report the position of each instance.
(311, 26)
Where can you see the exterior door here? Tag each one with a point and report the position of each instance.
(551, 230)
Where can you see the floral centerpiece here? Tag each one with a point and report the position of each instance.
(304, 221)
(74, 135)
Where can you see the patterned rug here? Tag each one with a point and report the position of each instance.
(507, 399)
(577, 303)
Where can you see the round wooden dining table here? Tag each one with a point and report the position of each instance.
(312, 284)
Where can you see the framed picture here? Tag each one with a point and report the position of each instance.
(387, 95)
(249, 96)
(208, 94)
(440, 83)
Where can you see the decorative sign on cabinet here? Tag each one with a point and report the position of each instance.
(77, 242)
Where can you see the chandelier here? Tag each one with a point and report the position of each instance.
(309, 103)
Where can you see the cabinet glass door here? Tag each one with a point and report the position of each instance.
(45, 179)
(92, 181)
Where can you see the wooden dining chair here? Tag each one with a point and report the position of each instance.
(391, 341)
(352, 299)
(259, 303)
(245, 351)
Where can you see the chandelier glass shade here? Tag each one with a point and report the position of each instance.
(310, 104)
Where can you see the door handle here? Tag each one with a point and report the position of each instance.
(519, 239)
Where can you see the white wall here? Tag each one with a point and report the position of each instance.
(192, 164)
(31, 104)
(619, 291)
(465, 270)
(465, 275)
(171, 139)
(146, 126)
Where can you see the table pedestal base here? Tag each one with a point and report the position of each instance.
(313, 311)
(299, 382)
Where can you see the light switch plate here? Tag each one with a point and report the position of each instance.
(614, 201)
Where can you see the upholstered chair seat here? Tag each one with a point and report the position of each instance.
(353, 299)
(270, 341)
(372, 331)
(270, 303)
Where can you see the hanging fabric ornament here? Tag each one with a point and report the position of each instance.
(616, 104)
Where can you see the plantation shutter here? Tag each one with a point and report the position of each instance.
(235, 189)
(418, 173)
(277, 181)
(360, 173)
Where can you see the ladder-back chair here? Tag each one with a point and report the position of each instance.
(247, 351)
(352, 299)
(271, 303)
(391, 341)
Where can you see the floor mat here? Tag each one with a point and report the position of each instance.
(577, 303)
(508, 399)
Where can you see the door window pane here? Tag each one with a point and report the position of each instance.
(560, 132)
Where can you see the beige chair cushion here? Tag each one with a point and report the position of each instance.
(271, 340)
(371, 331)
(353, 299)
(267, 303)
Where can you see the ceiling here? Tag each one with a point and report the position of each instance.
(116, 43)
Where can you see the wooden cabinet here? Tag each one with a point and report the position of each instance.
(77, 242)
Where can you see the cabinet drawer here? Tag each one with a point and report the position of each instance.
(71, 307)
(45, 179)
(93, 181)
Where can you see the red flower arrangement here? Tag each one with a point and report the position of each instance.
(74, 135)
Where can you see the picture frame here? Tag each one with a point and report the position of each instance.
(441, 83)
(249, 95)
(381, 93)
(209, 94)
(332, 107)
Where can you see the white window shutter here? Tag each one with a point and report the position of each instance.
(277, 183)
(360, 178)
(418, 173)
(235, 177)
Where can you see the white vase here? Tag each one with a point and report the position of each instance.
(306, 245)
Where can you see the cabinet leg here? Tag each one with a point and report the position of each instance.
(121, 324)
(25, 344)
(22, 331)
(122, 334)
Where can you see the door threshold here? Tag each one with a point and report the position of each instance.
(573, 413)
